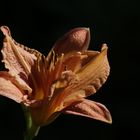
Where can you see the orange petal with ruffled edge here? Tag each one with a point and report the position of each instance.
(89, 109)
(17, 60)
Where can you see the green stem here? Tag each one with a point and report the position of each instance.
(31, 129)
(31, 133)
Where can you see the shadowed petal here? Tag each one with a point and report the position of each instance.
(74, 41)
(89, 109)
(9, 89)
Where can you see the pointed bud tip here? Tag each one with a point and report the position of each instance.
(108, 117)
(109, 120)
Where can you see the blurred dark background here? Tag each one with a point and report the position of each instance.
(38, 24)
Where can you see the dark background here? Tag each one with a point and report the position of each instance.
(38, 24)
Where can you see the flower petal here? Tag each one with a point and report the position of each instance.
(16, 59)
(94, 73)
(9, 89)
(74, 41)
(89, 109)
(96, 68)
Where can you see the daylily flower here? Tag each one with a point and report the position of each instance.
(58, 83)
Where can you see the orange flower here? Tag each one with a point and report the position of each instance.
(58, 83)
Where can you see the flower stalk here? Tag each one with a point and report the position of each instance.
(31, 129)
